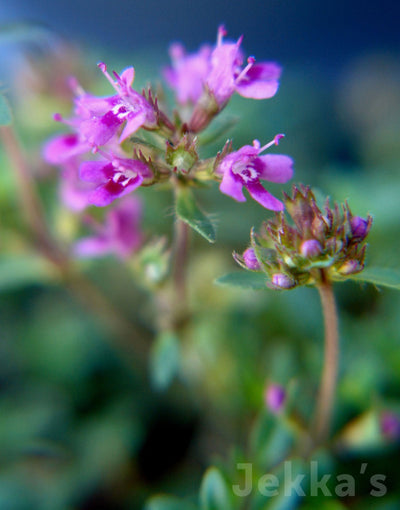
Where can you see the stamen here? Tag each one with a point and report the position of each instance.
(103, 68)
(250, 63)
(221, 34)
(275, 141)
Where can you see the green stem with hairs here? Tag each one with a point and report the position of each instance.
(327, 390)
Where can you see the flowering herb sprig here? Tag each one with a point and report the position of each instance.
(129, 139)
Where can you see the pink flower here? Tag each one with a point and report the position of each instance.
(256, 81)
(188, 72)
(101, 118)
(120, 234)
(115, 177)
(246, 167)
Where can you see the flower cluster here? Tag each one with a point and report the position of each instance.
(315, 245)
(120, 142)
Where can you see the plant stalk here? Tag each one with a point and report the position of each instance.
(327, 390)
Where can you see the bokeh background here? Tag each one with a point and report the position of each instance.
(84, 422)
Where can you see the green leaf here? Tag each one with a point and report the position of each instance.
(5, 112)
(167, 503)
(164, 360)
(18, 271)
(188, 211)
(214, 492)
(383, 276)
(243, 280)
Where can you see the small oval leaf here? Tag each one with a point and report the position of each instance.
(164, 360)
(380, 276)
(188, 211)
(214, 492)
(243, 280)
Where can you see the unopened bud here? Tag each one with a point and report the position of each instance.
(275, 396)
(359, 228)
(350, 267)
(310, 249)
(250, 259)
(282, 281)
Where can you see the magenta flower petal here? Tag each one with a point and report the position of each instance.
(257, 89)
(264, 71)
(92, 247)
(276, 167)
(263, 197)
(188, 72)
(96, 171)
(221, 80)
(120, 234)
(133, 124)
(105, 194)
(61, 148)
(232, 186)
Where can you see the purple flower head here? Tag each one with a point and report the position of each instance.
(188, 72)
(114, 176)
(246, 167)
(275, 396)
(101, 118)
(250, 259)
(256, 81)
(120, 234)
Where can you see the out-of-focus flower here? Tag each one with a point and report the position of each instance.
(246, 167)
(275, 396)
(114, 176)
(390, 425)
(256, 81)
(73, 191)
(188, 72)
(120, 234)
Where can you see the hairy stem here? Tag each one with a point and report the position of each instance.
(181, 248)
(326, 397)
(29, 199)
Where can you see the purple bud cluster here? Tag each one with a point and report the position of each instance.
(317, 244)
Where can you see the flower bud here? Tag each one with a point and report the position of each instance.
(282, 281)
(350, 267)
(310, 248)
(275, 396)
(390, 425)
(250, 259)
(359, 228)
